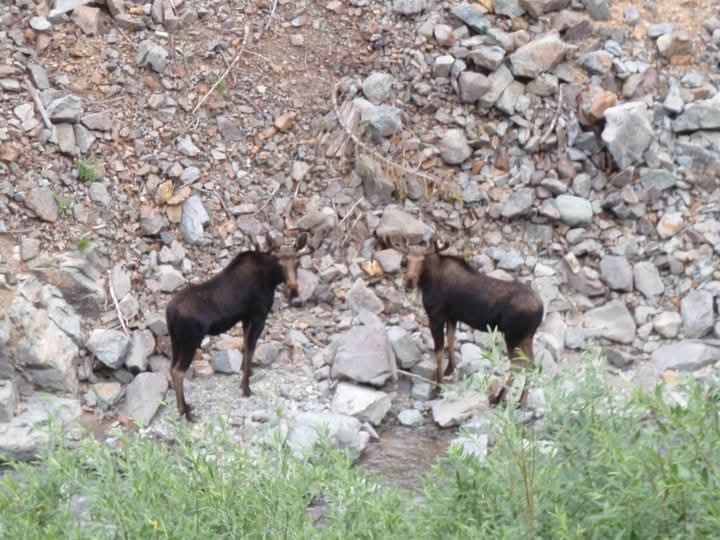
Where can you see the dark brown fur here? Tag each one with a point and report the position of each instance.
(454, 292)
(243, 291)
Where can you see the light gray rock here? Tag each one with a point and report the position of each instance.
(151, 54)
(187, 147)
(597, 62)
(509, 8)
(647, 279)
(67, 108)
(9, 399)
(410, 7)
(545, 85)
(307, 284)
(659, 179)
(442, 66)
(574, 210)
(365, 404)
(396, 224)
(704, 114)
(63, 315)
(265, 354)
(472, 359)
(169, 278)
(518, 203)
(499, 83)
(142, 345)
(43, 204)
(44, 353)
(536, 8)
(378, 188)
(144, 396)
(454, 147)
(64, 136)
(228, 361)
(84, 139)
(407, 352)
(475, 445)
(109, 346)
(230, 130)
(668, 324)
(487, 57)
(26, 434)
(389, 259)
(598, 9)
(698, 313)
(193, 220)
(98, 121)
(472, 86)
(383, 120)
(421, 390)
(120, 280)
(674, 102)
(612, 321)
(685, 356)
(628, 133)
(538, 56)
(39, 76)
(453, 413)
(344, 432)
(363, 354)
(360, 298)
(99, 194)
(377, 87)
(472, 17)
(40, 24)
(616, 271)
(410, 418)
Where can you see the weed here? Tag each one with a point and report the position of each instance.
(84, 243)
(64, 203)
(86, 171)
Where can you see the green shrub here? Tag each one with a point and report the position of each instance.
(600, 464)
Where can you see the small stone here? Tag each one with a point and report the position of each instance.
(109, 346)
(410, 7)
(670, 224)
(99, 194)
(64, 136)
(144, 396)
(697, 313)
(186, 147)
(536, 8)
(611, 321)
(406, 350)
(377, 87)
(65, 109)
(518, 203)
(538, 56)
(384, 120)
(472, 86)
(410, 418)
(360, 298)
(598, 62)
(487, 57)
(142, 345)
(87, 18)
(598, 9)
(658, 179)
(616, 271)
(628, 133)
(631, 15)
(545, 85)
(151, 54)
(365, 404)
(675, 43)
(29, 248)
(668, 324)
(443, 65)
(40, 24)
(396, 224)
(39, 76)
(647, 279)
(193, 220)
(454, 147)
(169, 278)
(228, 361)
(297, 40)
(99, 121)
(390, 260)
(453, 413)
(574, 210)
(9, 398)
(266, 354)
(509, 8)
(471, 16)
(42, 202)
(83, 138)
(703, 114)
(230, 129)
(618, 358)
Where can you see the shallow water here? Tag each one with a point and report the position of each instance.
(405, 454)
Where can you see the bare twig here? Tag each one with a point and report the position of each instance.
(376, 155)
(270, 198)
(38, 104)
(551, 127)
(123, 34)
(351, 229)
(120, 316)
(354, 206)
(416, 376)
(214, 86)
(222, 203)
(272, 14)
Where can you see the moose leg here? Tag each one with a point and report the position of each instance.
(251, 330)
(184, 342)
(438, 334)
(451, 327)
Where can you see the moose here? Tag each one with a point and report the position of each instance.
(452, 292)
(242, 291)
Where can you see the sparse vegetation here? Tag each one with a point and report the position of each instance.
(84, 243)
(64, 203)
(601, 464)
(86, 171)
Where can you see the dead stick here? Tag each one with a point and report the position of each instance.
(270, 198)
(555, 117)
(214, 86)
(272, 14)
(354, 206)
(117, 306)
(351, 229)
(415, 376)
(38, 103)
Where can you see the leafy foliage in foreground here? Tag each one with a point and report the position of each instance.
(598, 466)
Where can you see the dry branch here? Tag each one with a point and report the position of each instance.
(120, 316)
(38, 104)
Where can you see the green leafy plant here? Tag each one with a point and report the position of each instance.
(86, 171)
(64, 203)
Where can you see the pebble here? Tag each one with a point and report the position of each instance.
(454, 147)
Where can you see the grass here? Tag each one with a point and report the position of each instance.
(601, 464)
(64, 204)
(86, 171)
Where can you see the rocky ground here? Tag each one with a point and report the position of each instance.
(572, 145)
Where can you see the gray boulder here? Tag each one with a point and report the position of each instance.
(110, 346)
(612, 321)
(344, 432)
(453, 413)
(365, 404)
(144, 396)
(628, 133)
(363, 354)
(697, 313)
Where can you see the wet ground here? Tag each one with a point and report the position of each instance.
(405, 454)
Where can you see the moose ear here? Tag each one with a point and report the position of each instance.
(301, 241)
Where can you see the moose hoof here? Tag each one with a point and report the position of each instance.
(188, 414)
(246, 391)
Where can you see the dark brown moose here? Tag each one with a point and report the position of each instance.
(243, 291)
(453, 291)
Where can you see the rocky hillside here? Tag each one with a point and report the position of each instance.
(570, 144)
